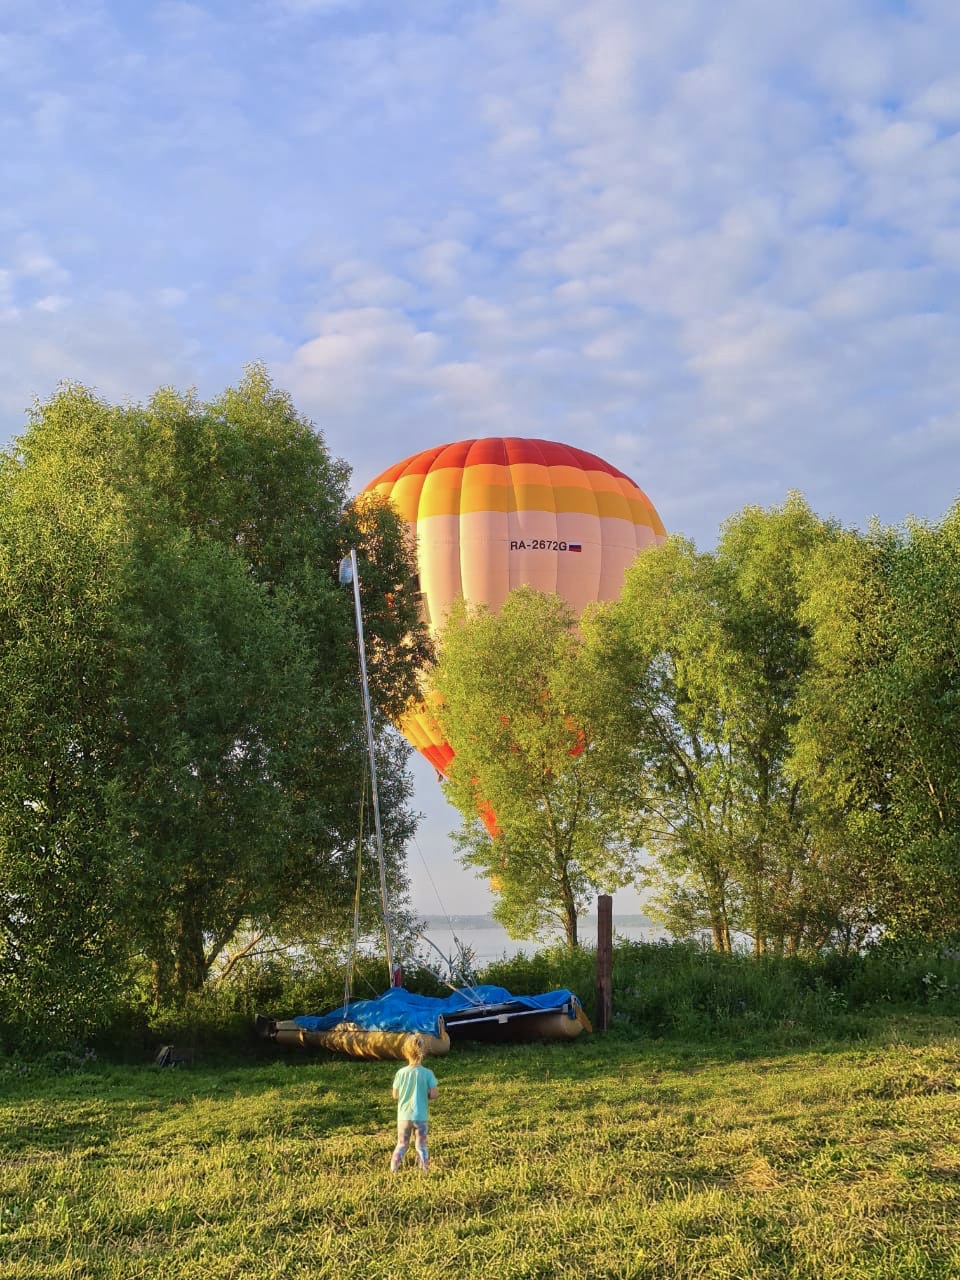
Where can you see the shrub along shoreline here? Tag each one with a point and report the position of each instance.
(663, 990)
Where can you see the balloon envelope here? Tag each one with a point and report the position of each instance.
(497, 513)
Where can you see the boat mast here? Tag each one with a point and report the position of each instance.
(349, 572)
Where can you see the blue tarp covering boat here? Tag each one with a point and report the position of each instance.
(401, 1010)
(383, 1028)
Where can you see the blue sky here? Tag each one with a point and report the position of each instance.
(717, 244)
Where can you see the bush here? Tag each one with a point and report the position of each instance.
(685, 989)
(664, 989)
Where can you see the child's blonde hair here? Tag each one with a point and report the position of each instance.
(413, 1050)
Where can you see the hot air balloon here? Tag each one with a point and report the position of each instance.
(493, 514)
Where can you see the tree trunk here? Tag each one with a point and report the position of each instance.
(721, 935)
(717, 909)
(569, 906)
(191, 963)
(570, 931)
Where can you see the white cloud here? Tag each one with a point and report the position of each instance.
(439, 264)
(610, 345)
(890, 145)
(31, 260)
(940, 101)
(122, 352)
(50, 115)
(871, 294)
(364, 284)
(356, 360)
(471, 397)
(171, 297)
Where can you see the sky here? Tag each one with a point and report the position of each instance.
(716, 244)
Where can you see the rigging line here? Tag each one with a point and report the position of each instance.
(355, 975)
(433, 883)
(351, 965)
(473, 996)
(374, 991)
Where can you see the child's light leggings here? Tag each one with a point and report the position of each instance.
(404, 1130)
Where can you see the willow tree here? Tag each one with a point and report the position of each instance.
(696, 680)
(880, 734)
(182, 748)
(509, 685)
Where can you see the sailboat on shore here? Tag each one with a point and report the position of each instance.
(385, 1027)
(382, 1028)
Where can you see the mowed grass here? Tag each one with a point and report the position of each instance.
(605, 1157)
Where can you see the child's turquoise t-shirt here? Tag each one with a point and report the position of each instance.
(412, 1085)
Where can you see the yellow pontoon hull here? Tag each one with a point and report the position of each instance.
(356, 1042)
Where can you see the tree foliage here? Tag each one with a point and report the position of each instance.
(880, 731)
(182, 747)
(510, 687)
(697, 671)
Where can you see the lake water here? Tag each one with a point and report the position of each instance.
(489, 941)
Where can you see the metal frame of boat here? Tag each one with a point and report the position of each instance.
(514, 1021)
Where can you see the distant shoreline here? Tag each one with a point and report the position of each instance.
(488, 941)
(455, 922)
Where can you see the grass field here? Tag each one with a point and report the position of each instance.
(605, 1157)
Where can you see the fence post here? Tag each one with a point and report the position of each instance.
(604, 961)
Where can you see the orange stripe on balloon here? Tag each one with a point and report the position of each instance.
(448, 500)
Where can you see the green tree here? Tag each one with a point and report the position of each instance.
(182, 748)
(509, 684)
(61, 931)
(696, 674)
(880, 733)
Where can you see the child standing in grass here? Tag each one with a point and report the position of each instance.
(413, 1087)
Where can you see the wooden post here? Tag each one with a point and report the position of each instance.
(604, 961)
